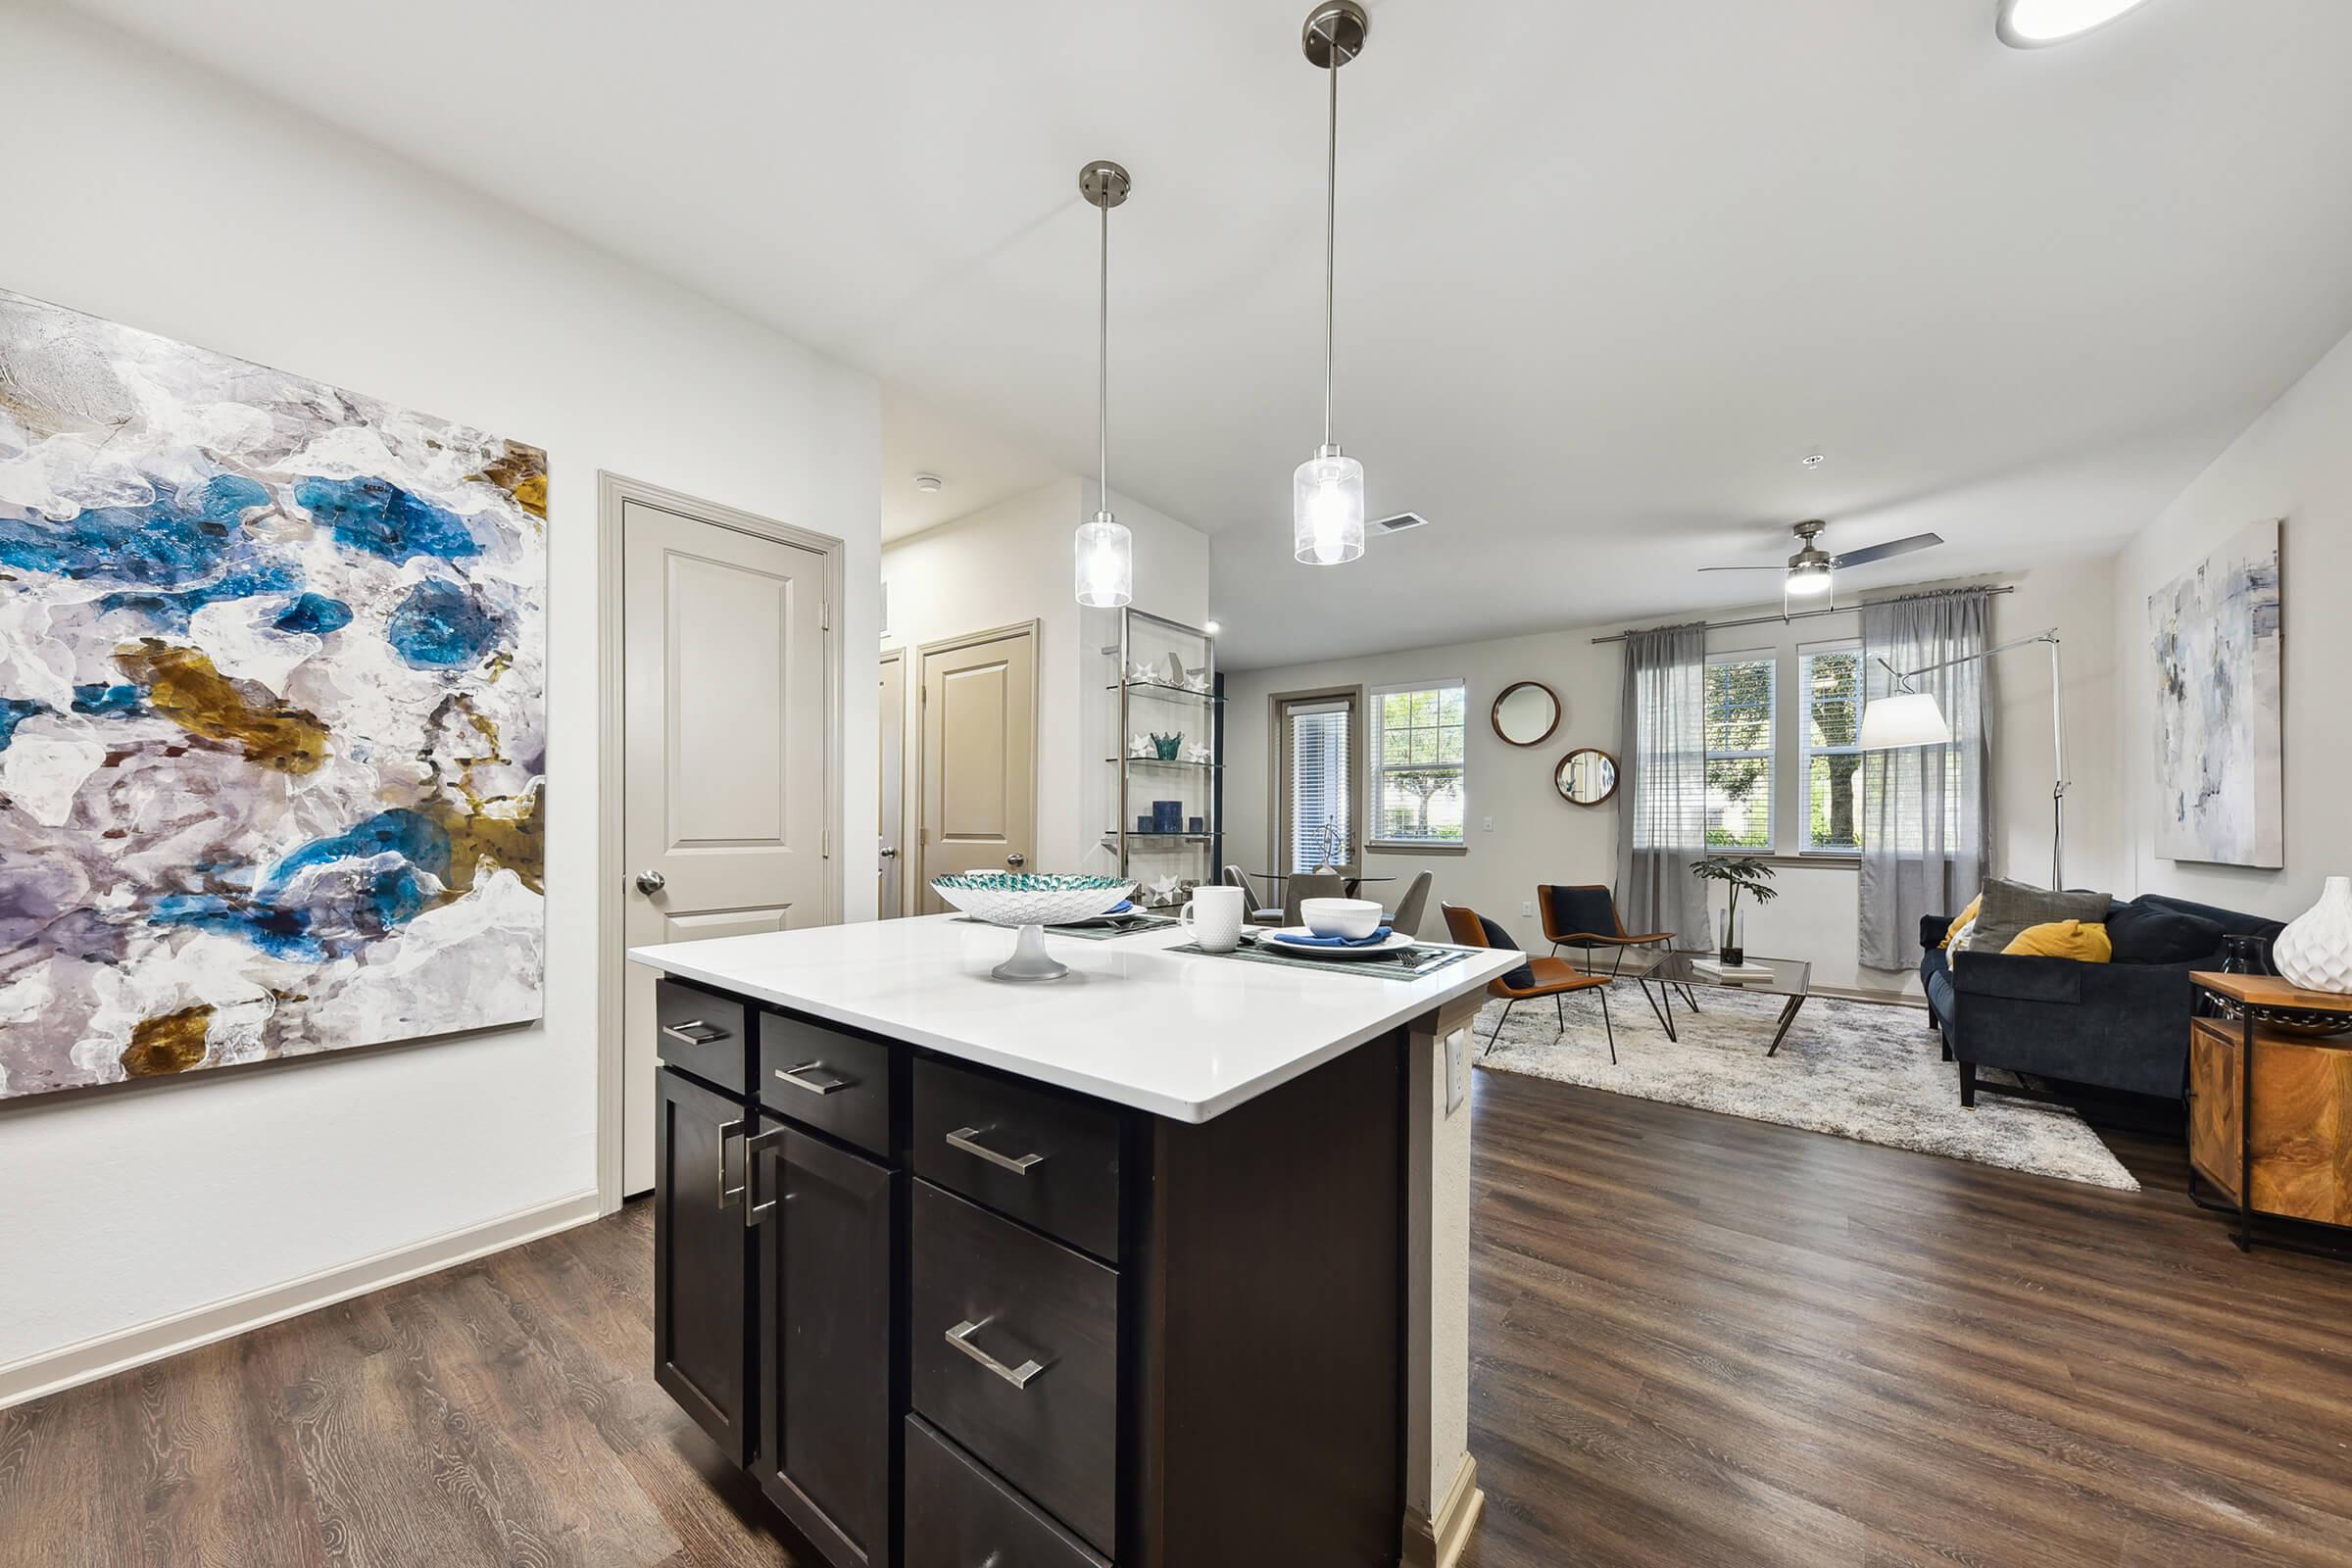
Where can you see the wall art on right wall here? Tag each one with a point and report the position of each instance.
(2215, 634)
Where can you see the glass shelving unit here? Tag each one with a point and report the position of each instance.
(1166, 697)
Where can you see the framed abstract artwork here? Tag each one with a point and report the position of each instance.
(273, 713)
(2215, 631)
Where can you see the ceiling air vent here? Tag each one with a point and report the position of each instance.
(1401, 521)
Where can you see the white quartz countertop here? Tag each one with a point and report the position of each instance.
(1180, 1035)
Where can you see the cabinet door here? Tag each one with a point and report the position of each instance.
(829, 1402)
(701, 1260)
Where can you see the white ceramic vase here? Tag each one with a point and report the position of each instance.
(2315, 950)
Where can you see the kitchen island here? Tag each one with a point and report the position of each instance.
(1160, 1265)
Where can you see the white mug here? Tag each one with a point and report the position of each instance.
(1215, 917)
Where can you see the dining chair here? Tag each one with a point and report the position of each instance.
(1537, 977)
(1583, 916)
(1408, 915)
(1257, 911)
(1306, 884)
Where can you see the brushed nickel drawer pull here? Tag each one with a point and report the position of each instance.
(966, 1138)
(830, 1084)
(1020, 1377)
(694, 1032)
(753, 1211)
(728, 1195)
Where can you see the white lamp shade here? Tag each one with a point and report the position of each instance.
(1903, 718)
(1105, 563)
(1327, 510)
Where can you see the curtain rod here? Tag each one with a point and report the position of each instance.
(1810, 614)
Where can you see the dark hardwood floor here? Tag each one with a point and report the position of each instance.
(1696, 1341)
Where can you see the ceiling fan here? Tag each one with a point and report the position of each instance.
(1808, 572)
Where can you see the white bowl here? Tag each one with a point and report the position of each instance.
(1354, 918)
(1029, 898)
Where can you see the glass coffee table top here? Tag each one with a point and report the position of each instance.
(1676, 975)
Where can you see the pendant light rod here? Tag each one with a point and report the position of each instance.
(1106, 185)
(1334, 34)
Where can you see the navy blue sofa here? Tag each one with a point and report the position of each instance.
(2121, 1025)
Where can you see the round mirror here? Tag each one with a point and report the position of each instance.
(1585, 776)
(1526, 713)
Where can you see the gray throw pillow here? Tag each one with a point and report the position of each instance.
(2012, 907)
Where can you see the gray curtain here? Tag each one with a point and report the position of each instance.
(1926, 827)
(1662, 784)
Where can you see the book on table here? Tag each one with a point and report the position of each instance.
(1716, 969)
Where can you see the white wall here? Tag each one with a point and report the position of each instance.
(1538, 838)
(1010, 563)
(148, 193)
(2294, 463)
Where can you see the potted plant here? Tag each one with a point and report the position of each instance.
(1738, 874)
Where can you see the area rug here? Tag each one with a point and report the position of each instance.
(1863, 1070)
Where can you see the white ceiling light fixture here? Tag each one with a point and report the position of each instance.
(1211, 627)
(2038, 23)
(927, 483)
(1106, 548)
(1327, 490)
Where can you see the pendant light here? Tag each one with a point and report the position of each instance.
(1106, 548)
(1327, 492)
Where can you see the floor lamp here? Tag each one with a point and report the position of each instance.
(1906, 717)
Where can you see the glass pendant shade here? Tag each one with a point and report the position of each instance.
(1327, 510)
(1107, 563)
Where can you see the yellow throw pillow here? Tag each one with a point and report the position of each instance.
(1966, 915)
(2065, 939)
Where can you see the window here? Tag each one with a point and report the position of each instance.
(1827, 760)
(1319, 796)
(1739, 741)
(1417, 776)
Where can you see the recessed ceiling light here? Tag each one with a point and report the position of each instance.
(1814, 460)
(927, 483)
(2033, 23)
(1211, 627)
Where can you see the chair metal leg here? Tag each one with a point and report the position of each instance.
(1559, 1006)
(1606, 1025)
(1665, 1013)
(1498, 1023)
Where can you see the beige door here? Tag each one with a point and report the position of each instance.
(1318, 782)
(725, 767)
(979, 756)
(890, 873)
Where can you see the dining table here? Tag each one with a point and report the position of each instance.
(1349, 880)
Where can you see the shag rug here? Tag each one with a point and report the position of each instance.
(1863, 1070)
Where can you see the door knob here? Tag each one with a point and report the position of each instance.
(890, 852)
(650, 883)
(1016, 858)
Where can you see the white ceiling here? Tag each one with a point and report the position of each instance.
(1606, 269)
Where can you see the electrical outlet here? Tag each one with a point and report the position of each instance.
(1488, 825)
(1457, 1070)
(1527, 906)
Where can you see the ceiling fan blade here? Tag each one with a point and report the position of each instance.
(1892, 547)
(1775, 567)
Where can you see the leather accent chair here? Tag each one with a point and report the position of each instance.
(1537, 977)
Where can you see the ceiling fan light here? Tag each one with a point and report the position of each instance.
(2035, 24)
(1809, 579)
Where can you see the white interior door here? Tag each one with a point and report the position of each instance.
(979, 758)
(890, 873)
(724, 766)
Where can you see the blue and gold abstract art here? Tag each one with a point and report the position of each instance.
(273, 713)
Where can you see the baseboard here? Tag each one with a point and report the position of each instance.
(116, 1352)
(1440, 1540)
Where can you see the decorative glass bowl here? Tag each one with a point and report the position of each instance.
(1031, 900)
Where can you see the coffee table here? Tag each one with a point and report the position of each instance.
(1791, 977)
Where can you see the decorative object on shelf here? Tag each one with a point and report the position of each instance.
(2240, 954)
(1585, 776)
(1105, 550)
(273, 719)
(1142, 674)
(1031, 900)
(1171, 672)
(1139, 745)
(1167, 817)
(1166, 747)
(1193, 824)
(1327, 490)
(1166, 889)
(1525, 714)
(1142, 823)
(1738, 874)
(1197, 752)
(2220, 794)
(2315, 950)
(1197, 681)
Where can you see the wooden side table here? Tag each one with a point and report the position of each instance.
(2274, 1141)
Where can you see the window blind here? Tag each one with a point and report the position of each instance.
(1321, 804)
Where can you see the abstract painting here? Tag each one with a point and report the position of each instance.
(2215, 632)
(273, 713)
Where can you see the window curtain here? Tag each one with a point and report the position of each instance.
(1662, 784)
(1927, 828)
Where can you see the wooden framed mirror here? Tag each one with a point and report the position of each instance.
(1585, 776)
(1525, 714)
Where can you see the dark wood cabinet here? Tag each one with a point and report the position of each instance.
(959, 1514)
(701, 1303)
(1047, 1158)
(829, 1403)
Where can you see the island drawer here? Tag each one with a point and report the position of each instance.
(957, 1514)
(1048, 1160)
(706, 1035)
(826, 1079)
(1014, 1345)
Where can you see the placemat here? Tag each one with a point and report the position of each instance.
(1092, 933)
(1411, 963)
